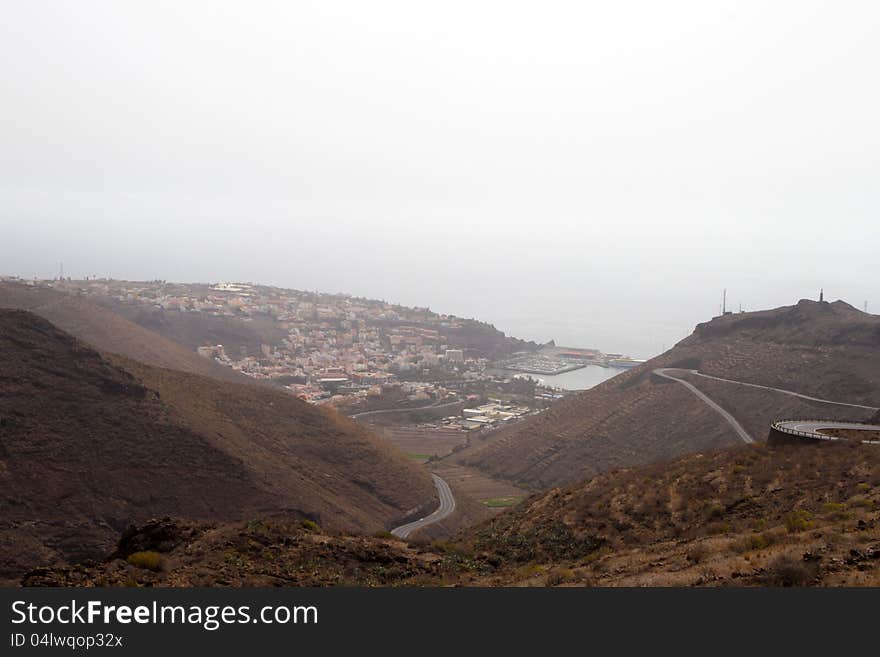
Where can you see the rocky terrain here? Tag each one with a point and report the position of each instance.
(748, 516)
(90, 443)
(172, 552)
(752, 515)
(826, 350)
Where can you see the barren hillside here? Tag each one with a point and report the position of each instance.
(825, 350)
(92, 443)
(753, 515)
(107, 331)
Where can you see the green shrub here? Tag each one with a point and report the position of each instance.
(798, 520)
(836, 511)
(310, 525)
(754, 542)
(147, 560)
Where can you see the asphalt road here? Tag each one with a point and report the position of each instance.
(447, 506)
(664, 372)
(806, 426)
(782, 390)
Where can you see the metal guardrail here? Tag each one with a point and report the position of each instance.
(797, 432)
(814, 435)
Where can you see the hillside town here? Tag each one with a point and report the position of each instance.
(357, 354)
(323, 348)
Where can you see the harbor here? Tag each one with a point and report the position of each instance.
(550, 361)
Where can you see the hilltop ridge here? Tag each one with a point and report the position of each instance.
(826, 350)
(107, 331)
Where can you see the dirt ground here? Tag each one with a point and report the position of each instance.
(479, 486)
(852, 434)
(419, 442)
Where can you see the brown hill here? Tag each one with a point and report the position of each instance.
(177, 552)
(749, 516)
(754, 515)
(825, 350)
(92, 443)
(109, 332)
(193, 330)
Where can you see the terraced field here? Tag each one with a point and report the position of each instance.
(421, 443)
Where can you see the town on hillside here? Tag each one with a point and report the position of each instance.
(357, 354)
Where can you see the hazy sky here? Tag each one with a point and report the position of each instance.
(594, 172)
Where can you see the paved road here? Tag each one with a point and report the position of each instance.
(403, 410)
(805, 426)
(812, 427)
(782, 390)
(740, 431)
(447, 506)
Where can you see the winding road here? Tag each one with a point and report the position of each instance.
(447, 501)
(809, 427)
(447, 506)
(664, 372)
(782, 390)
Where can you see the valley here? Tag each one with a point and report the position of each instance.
(658, 476)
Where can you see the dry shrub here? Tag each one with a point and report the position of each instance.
(559, 576)
(698, 553)
(754, 542)
(147, 560)
(788, 570)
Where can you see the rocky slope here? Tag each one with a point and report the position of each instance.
(748, 516)
(826, 350)
(753, 515)
(90, 443)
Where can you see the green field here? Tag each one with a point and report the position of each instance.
(499, 502)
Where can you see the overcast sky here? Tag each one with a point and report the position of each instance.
(594, 172)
